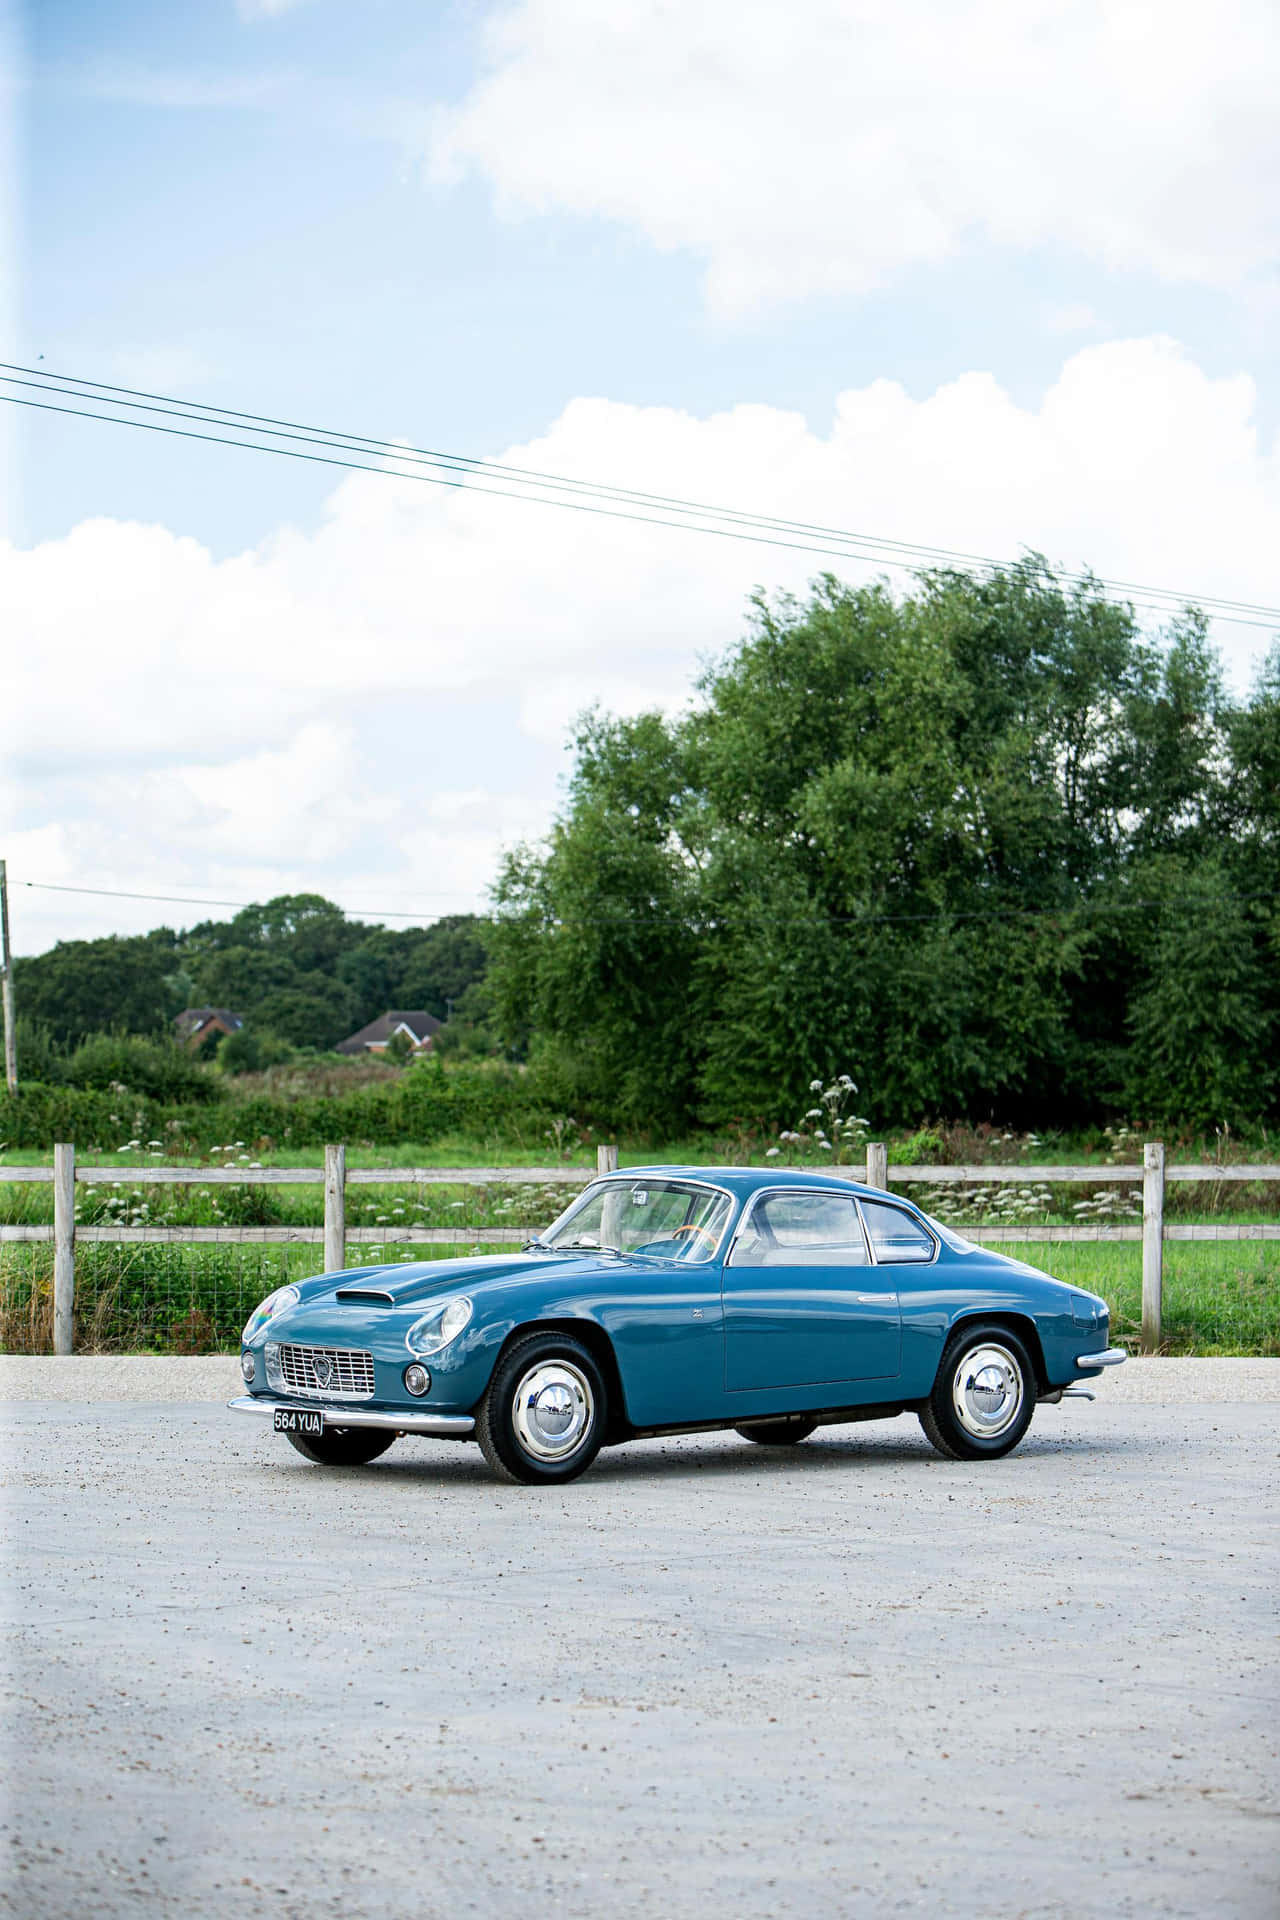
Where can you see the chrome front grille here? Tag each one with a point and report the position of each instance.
(327, 1373)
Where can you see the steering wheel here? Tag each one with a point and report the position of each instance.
(690, 1234)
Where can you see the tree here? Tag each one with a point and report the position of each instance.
(901, 835)
(119, 984)
(1202, 1017)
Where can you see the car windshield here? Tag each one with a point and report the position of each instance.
(663, 1218)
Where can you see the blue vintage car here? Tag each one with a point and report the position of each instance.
(670, 1300)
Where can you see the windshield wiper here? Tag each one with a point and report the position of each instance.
(567, 1246)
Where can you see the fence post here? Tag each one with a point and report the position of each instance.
(606, 1159)
(64, 1245)
(335, 1209)
(877, 1164)
(1152, 1243)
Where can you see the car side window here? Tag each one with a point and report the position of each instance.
(896, 1235)
(802, 1230)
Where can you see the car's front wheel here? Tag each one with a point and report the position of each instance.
(543, 1417)
(983, 1397)
(342, 1446)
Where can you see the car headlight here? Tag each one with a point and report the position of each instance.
(274, 1303)
(436, 1329)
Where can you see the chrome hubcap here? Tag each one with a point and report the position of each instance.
(553, 1409)
(987, 1391)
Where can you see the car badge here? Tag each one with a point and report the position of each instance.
(323, 1371)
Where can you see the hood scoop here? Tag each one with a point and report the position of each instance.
(366, 1296)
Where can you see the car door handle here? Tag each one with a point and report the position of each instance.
(868, 1297)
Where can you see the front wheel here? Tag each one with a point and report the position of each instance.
(983, 1397)
(341, 1446)
(543, 1418)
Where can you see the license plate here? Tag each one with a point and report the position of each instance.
(298, 1420)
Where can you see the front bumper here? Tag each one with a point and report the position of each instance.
(447, 1426)
(1112, 1357)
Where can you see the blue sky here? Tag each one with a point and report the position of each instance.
(455, 224)
(235, 208)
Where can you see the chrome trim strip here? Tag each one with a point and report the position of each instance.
(451, 1425)
(1113, 1357)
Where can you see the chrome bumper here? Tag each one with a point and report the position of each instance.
(1113, 1357)
(449, 1426)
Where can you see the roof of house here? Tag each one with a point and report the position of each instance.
(191, 1019)
(420, 1024)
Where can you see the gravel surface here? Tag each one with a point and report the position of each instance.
(110, 1376)
(706, 1679)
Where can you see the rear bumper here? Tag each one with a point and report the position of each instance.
(1113, 1357)
(447, 1426)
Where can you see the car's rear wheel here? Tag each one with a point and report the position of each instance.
(342, 1446)
(983, 1397)
(542, 1420)
(777, 1433)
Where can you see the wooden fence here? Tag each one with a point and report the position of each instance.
(336, 1236)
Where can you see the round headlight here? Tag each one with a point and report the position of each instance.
(248, 1367)
(437, 1328)
(274, 1303)
(417, 1379)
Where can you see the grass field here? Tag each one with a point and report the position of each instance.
(1218, 1299)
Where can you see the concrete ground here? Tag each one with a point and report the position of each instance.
(705, 1679)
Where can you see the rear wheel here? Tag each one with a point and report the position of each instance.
(983, 1397)
(342, 1446)
(543, 1418)
(777, 1433)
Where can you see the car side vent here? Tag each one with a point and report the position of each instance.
(366, 1296)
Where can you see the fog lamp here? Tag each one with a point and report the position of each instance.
(417, 1380)
(248, 1367)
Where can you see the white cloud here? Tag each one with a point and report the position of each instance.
(372, 709)
(824, 146)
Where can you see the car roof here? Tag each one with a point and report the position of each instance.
(743, 1181)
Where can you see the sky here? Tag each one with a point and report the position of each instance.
(987, 274)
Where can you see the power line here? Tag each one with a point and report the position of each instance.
(198, 900)
(588, 496)
(470, 463)
(717, 918)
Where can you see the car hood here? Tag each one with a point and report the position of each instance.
(407, 1285)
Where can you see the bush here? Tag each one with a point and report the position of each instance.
(418, 1105)
(123, 1063)
(251, 1050)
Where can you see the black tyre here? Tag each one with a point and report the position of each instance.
(777, 1433)
(543, 1418)
(984, 1395)
(342, 1446)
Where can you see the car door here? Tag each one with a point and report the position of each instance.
(803, 1302)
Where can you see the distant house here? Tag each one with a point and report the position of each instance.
(417, 1027)
(198, 1024)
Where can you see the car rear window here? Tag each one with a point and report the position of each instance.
(895, 1234)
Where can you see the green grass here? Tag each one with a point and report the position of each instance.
(1219, 1299)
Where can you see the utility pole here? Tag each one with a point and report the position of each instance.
(6, 986)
